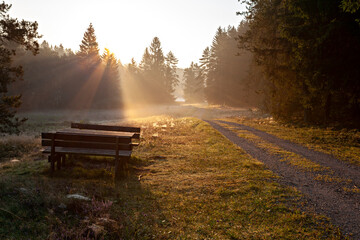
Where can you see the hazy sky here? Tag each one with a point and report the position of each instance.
(127, 27)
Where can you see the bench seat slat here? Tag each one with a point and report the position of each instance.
(105, 127)
(93, 132)
(89, 145)
(84, 151)
(86, 138)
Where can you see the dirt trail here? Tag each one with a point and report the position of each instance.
(325, 198)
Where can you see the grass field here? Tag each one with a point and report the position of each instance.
(185, 181)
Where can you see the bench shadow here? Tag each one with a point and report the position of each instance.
(134, 213)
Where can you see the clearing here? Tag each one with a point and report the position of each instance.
(185, 181)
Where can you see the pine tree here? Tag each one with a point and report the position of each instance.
(215, 93)
(21, 33)
(194, 84)
(157, 55)
(109, 59)
(146, 61)
(171, 78)
(108, 92)
(299, 44)
(158, 73)
(89, 48)
(133, 67)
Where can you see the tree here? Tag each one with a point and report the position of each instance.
(353, 7)
(214, 81)
(171, 78)
(308, 52)
(272, 54)
(89, 48)
(194, 84)
(146, 61)
(109, 59)
(224, 70)
(108, 92)
(158, 73)
(13, 33)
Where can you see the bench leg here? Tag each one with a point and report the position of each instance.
(117, 172)
(52, 163)
(120, 164)
(63, 157)
(58, 161)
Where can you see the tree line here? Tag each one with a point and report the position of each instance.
(153, 80)
(295, 59)
(58, 78)
(225, 74)
(308, 54)
(42, 77)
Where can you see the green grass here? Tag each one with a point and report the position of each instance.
(185, 181)
(343, 144)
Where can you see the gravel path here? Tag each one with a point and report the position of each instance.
(325, 198)
(339, 168)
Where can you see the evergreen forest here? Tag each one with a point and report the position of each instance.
(297, 60)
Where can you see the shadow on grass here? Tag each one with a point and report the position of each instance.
(35, 205)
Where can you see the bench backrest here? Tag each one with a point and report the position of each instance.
(72, 140)
(107, 128)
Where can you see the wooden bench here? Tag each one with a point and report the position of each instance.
(86, 141)
(135, 130)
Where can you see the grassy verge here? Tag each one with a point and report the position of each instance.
(344, 144)
(286, 156)
(185, 181)
(323, 174)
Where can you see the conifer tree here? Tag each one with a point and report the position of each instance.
(158, 72)
(89, 48)
(109, 59)
(215, 82)
(21, 33)
(133, 67)
(157, 55)
(108, 92)
(308, 51)
(146, 61)
(224, 70)
(171, 78)
(194, 84)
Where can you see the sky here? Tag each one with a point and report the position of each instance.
(127, 27)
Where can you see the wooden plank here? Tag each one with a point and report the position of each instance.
(96, 132)
(58, 161)
(63, 162)
(136, 136)
(90, 152)
(86, 137)
(52, 152)
(117, 159)
(105, 127)
(90, 145)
